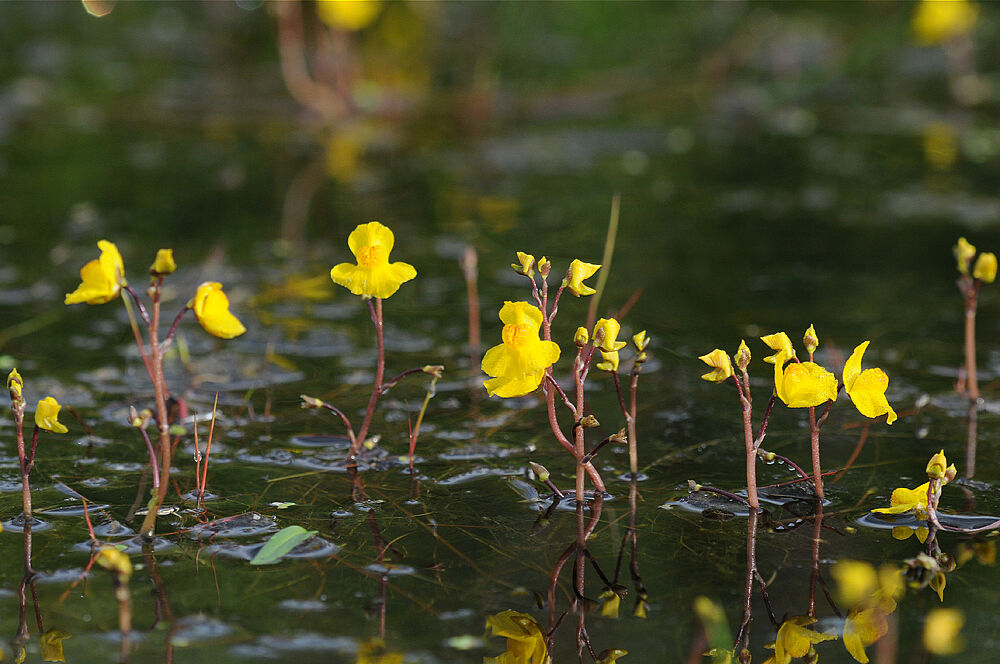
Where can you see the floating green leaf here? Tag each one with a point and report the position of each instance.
(280, 544)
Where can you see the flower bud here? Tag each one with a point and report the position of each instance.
(544, 266)
(589, 422)
(641, 340)
(937, 466)
(810, 340)
(525, 264)
(986, 267)
(742, 356)
(619, 438)
(433, 370)
(134, 419)
(540, 471)
(582, 337)
(963, 254)
(693, 486)
(310, 402)
(164, 263)
(15, 383)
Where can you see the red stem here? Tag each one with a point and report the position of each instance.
(376, 312)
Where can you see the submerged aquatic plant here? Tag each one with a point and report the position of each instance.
(102, 280)
(374, 278)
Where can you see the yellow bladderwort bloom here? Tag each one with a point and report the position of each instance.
(525, 264)
(525, 639)
(518, 365)
(938, 468)
(810, 340)
(578, 271)
(904, 500)
(101, 279)
(610, 363)
(374, 275)
(211, 308)
(164, 263)
(348, 14)
(963, 254)
(942, 631)
(986, 267)
(803, 384)
(937, 21)
(51, 646)
(794, 639)
(867, 388)
(722, 368)
(609, 342)
(115, 560)
(780, 343)
(47, 416)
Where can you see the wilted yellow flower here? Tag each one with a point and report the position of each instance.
(936, 21)
(780, 343)
(867, 388)
(578, 271)
(525, 264)
(374, 652)
(722, 368)
(525, 640)
(374, 275)
(810, 340)
(211, 308)
(942, 631)
(803, 384)
(114, 560)
(609, 343)
(101, 279)
(51, 646)
(963, 254)
(794, 639)
(47, 416)
(986, 267)
(518, 365)
(904, 500)
(164, 263)
(348, 14)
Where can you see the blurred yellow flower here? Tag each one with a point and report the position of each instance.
(374, 275)
(374, 652)
(867, 388)
(114, 560)
(211, 308)
(942, 631)
(803, 384)
(865, 624)
(525, 640)
(936, 21)
(164, 263)
(517, 365)
(780, 343)
(578, 271)
(986, 267)
(47, 416)
(722, 368)
(51, 645)
(794, 639)
(101, 279)
(348, 14)
(963, 254)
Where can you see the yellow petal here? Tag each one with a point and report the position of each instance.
(211, 308)
(780, 343)
(986, 267)
(963, 254)
(100, 279)
(611, 328)
(525, 264)
(867, 388)
(517, 365)
(47, 416)
(578, 271)
(804, 384)
(366, 236)
(722, 368)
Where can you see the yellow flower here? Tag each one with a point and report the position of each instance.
(942, 631)
(609, 343)
(164, 263)
(904, 500)
(810, 340)
(936, 21)
(867, 388)
(101, 279)
(211, 308)
(374, 275)
(517, 365)
(963, 254)
(578, 271)
(348, 14)
(47, 416)
(795, 640)
(803, 384)
(51, 645)
(938, 468)
(374, 652)
(856, 580)
(986, 267)
(610, 362)
(114, 560)
(610, 601)
(865, 624)
(525, 264)
(525, 640)
(722, 368)
(779, 342)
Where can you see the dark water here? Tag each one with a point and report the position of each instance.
(773, 173)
